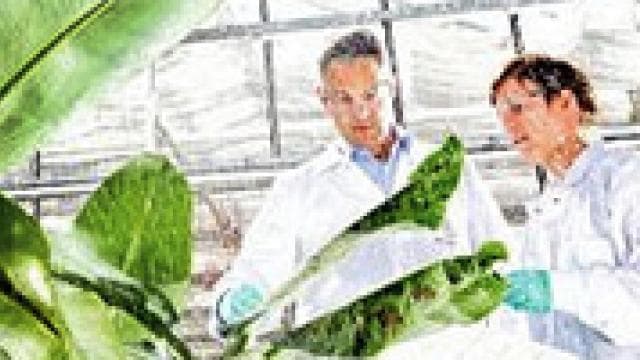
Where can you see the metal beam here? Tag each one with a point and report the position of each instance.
(518, 49)
(516, 34)
(269, 71)
(36, 201)
(387, 25)
(404, 12)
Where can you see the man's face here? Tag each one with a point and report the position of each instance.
(537, 128)
(350, 96)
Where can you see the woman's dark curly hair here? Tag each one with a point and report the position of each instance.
(552, 75)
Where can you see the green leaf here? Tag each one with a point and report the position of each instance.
(121, 304)
(130, 298)
(490, 252)
(93, 333)
(24, 337)
(421, 203)
(24, 265)
(56, 52)
(450, 291)
(480, 297)
(140, 221)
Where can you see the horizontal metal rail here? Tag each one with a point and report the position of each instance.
(405, 12)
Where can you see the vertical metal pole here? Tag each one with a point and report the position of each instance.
(518, 47)
(387, 25)
(272, 110)
(516, 34)
(36, 203)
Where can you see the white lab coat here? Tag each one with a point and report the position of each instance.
(308, 206)
(585, 228)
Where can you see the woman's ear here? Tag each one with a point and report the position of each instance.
(568, 100)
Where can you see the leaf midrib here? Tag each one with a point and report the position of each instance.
(87, 16)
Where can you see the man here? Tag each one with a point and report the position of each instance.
(585, 228)
(310, 205)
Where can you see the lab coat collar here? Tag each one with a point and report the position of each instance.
(347, 150)
(580, 169)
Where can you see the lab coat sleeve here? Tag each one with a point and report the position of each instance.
(605, 299)
(609, 299)
(267, 255)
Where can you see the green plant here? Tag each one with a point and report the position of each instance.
(86, 293)
(421, 203)
(56, 52)
(459, 290)
(89, 293)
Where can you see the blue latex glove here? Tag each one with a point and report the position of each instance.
(239, 303)
(529, 291)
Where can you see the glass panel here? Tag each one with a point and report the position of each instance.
(446, 68)
(291, 9)
(234, 12)
(211, 101)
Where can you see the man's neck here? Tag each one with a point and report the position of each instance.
(381, 149)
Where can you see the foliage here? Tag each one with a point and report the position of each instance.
(63, 295)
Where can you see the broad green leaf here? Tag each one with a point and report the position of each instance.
(111, 307)
(23, 337)
(139, 220)
(421, 203)
(120, 302)
(450, 291)
(56, 52)
(93, 333)
(24, 265)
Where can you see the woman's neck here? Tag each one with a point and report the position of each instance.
(564, 156)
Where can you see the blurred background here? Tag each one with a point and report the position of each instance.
(233, 104)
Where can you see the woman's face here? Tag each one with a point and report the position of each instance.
(538, 128)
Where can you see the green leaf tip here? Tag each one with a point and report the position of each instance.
(491, 252)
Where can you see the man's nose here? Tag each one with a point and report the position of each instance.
(361, 109)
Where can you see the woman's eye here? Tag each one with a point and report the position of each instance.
(370, 96)
(346, 99)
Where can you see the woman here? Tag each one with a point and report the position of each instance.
(585, 227)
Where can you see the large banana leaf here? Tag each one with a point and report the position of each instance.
(24, 337)
(421, 203)
(126, 314)
(460, 290)
(25, 277)
(139, 221)
(453, 291)
(54, 52)
(44, 315)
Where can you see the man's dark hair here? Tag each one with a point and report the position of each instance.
(361, 43)
(552, 75)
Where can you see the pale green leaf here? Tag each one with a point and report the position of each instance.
(55, 52)
(24, 265)
(23, 337)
